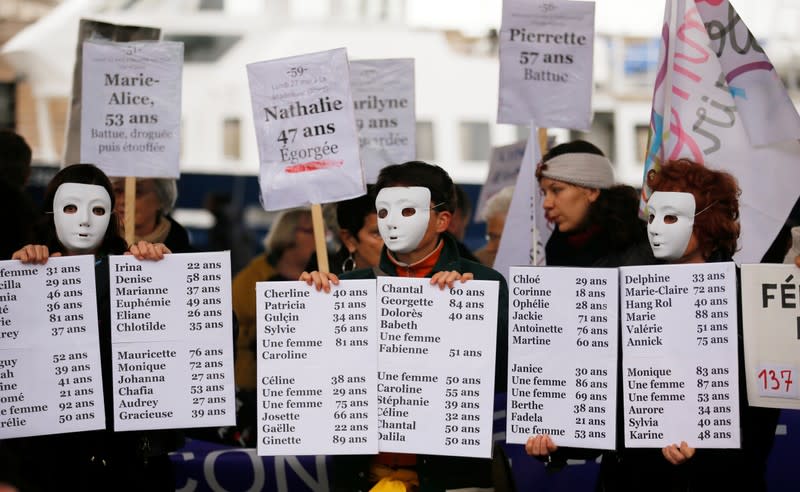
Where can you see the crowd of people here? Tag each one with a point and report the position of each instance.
(411, 223)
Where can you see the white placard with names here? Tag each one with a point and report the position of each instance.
(383, 95)
(546, 54)
(771, 330)
(562, 356)
(679, 352)
(317, 367)
(131, 107)
(172, 342)
(306, 130)
(50, 373)
(436, 366)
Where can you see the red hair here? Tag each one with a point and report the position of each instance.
(716, 196)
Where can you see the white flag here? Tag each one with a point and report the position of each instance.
(718, 101)
(526, 230)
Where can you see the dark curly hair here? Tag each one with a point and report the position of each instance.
(418, 173)
(616, 211)
(716, 196)
(350, 214)
(113, 243)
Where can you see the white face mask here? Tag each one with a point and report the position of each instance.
(403, 216)
(669, 223)
(81, 213)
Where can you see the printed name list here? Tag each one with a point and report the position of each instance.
(562, 352)
(317, 365)
(680, 373)
(436, 363)
(50, 374)
(172, 350)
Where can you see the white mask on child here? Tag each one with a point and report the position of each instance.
(81, 213)
(403, 216)
(670, 219)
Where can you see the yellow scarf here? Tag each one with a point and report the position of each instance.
(393, 480)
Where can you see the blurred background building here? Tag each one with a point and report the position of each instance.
(453, 42)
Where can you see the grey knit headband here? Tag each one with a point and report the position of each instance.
(582, 169)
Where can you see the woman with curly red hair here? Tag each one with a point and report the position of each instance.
(693, 217)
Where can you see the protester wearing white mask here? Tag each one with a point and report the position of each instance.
(403, 218)
(693, 214)
(415, 203)
(81, 213)
(692, 217)
(78, 221)
(670, 218)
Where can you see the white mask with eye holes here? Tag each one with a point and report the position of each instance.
(403, 216)
(670, 219)
(81, 213)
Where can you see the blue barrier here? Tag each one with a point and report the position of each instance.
(206, 467)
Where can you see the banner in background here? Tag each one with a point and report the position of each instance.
(383, 95)
(504, 165)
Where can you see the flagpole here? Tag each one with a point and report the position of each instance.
(541, 134)
(129, 220)
(318, 224)
(669, 61)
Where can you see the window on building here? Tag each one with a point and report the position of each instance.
(601, 134)
(426, 148)
(231, 138)
(202, 48)
(522, 132)
(211, 5)
(7, 105)
(474, 138)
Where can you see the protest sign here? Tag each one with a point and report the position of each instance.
(94, 30)
(679, 355)
(383, 94)
(306, 131)
(562, 356)
(504, 165)
(771, 326)
(546, 55)
(131, 112)
(317, 369)
(526, 230)
(172, 348)
(50, 373)
(436, 364)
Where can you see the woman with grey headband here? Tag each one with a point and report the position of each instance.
(155, 200)
(595, 222)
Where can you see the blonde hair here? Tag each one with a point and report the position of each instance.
(281, 235)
